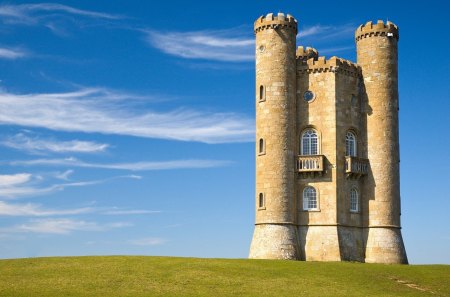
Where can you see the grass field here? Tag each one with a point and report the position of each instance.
(167, 276)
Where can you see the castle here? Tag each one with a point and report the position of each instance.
(327, 148)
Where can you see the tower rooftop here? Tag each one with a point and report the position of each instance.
(275, 21)
(376, 29)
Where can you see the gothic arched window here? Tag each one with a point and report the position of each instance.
(350, 144)
(310, 199)
(309, 143)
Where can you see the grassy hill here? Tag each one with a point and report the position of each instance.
(166, 276)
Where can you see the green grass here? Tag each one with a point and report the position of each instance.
(166, 276)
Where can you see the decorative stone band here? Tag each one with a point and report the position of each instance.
(277, 223)
(379, 29)
(273, 22)
(328, 225)
(333, 64)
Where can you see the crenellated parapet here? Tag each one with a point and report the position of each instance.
(333, 64)
(379, 29)
(271, 21)
(306, 53)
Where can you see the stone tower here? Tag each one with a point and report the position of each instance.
(327, 152)
(377, 55)
(275, 133)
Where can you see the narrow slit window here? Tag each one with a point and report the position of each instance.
(261, 202)
(262, 94)
(262, 147)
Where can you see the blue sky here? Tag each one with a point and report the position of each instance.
(127, 127)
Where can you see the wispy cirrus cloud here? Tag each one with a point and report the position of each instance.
(30, 209)
(24, 185)
(218, 45)
(24, 142)
(8, 180)
(12, 53)
(104, 111)
(32, 14)
(148, 241)
(133, 166)
(320, 32)
(61, 226)
(119, 212)
(321, 37)
(37, 210)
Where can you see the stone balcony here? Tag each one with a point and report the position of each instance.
(310, 164)
(355, 166)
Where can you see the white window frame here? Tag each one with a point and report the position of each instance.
(354, 200)
(310, 139)
(350, 144)
(306, 200)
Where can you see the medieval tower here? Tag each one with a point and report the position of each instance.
(327, 149)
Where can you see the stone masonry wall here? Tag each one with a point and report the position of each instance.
(275, 126)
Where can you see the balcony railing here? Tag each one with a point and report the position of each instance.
(313, 163)
(356, 166)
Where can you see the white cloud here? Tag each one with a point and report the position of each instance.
(148, 241)
(23, 142)
(62, 226)
(130, 212)
(12, 54)
(14, 179)
(22, 185)
(33, 14)
(136, 166)
(98, 110)
(64, 175)
(29, 209)
(36, 210)
(224, 45)
(319, 32)
(313, 30)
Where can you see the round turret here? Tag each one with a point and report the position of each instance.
(377, 55)
(275, 235)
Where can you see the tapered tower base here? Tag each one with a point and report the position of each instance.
(272, 241)
(385, 245)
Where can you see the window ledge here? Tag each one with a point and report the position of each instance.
(312, 210)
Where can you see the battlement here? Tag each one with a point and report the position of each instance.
(271, 21)
(379, 29)
(333, 64)
(308, 53)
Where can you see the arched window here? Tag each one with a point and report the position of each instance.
(309, 143)
(262, 95)
(350, 144)
(262, 146)
(261, 202)
(354, 200)
(310, 199)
